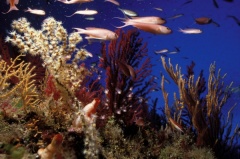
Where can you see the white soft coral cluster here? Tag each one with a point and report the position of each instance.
(55, 47)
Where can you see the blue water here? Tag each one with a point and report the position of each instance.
(219, 44)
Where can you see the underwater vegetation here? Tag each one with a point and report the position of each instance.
(53, 106)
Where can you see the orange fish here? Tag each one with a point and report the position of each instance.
(97, 33)
(12, 5)
(148, 20)
(151, 28)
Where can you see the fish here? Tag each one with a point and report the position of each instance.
(187, 2)
(159, 9)
(128, 12)
(176, 125)
(12, 4)
(235, 19)
(97, 33)
(139, 122)
(126, 69)
(147, 19)
(35, 11)
(151, 28)
(215, 3)
(113, 1)
(84, 12)
(74, 1)
(161, 51)
(190, 31)
(176, 16)
(89, 18)
(205, 20)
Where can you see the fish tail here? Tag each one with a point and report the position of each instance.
(11, 8)
(69, 15)
(125, 24)
(27, 10)
(119, 18)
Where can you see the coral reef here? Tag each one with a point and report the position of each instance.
(68, 113)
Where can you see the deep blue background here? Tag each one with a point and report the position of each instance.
(219, 44)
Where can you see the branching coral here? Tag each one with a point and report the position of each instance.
(205, 113)
(127, 68)
(24, 92)
(55, 47)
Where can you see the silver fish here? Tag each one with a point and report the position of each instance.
(128, 12)
(190, 31)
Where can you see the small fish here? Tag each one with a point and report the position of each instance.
(173, 52)
(113, 1)
(205, 20)
(126, 69)
(176, 125)
(89, 18)
(139, 122)
(190, 31)
(74, 1)
(35, 11)
(151, 28)
(159, 9)
(97, 33)
(235, 19)
(187, 2)
(12, 4)
(176, 16)
(215, 3)
(161, 51)
(128, 12)
(84, 12)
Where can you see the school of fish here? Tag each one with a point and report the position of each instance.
(151, 24)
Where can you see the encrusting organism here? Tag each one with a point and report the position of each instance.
(53, 150)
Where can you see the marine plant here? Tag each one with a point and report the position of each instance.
(201, 112)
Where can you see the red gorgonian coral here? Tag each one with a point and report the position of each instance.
(128, 81)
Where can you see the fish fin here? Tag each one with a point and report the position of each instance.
(27, 10)
(122, 25)
(11, 9)
(91, 28)
(69, 15)
(16, 1)
(79, 30)
(120, 18)
(92, 37)
(215, 23)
